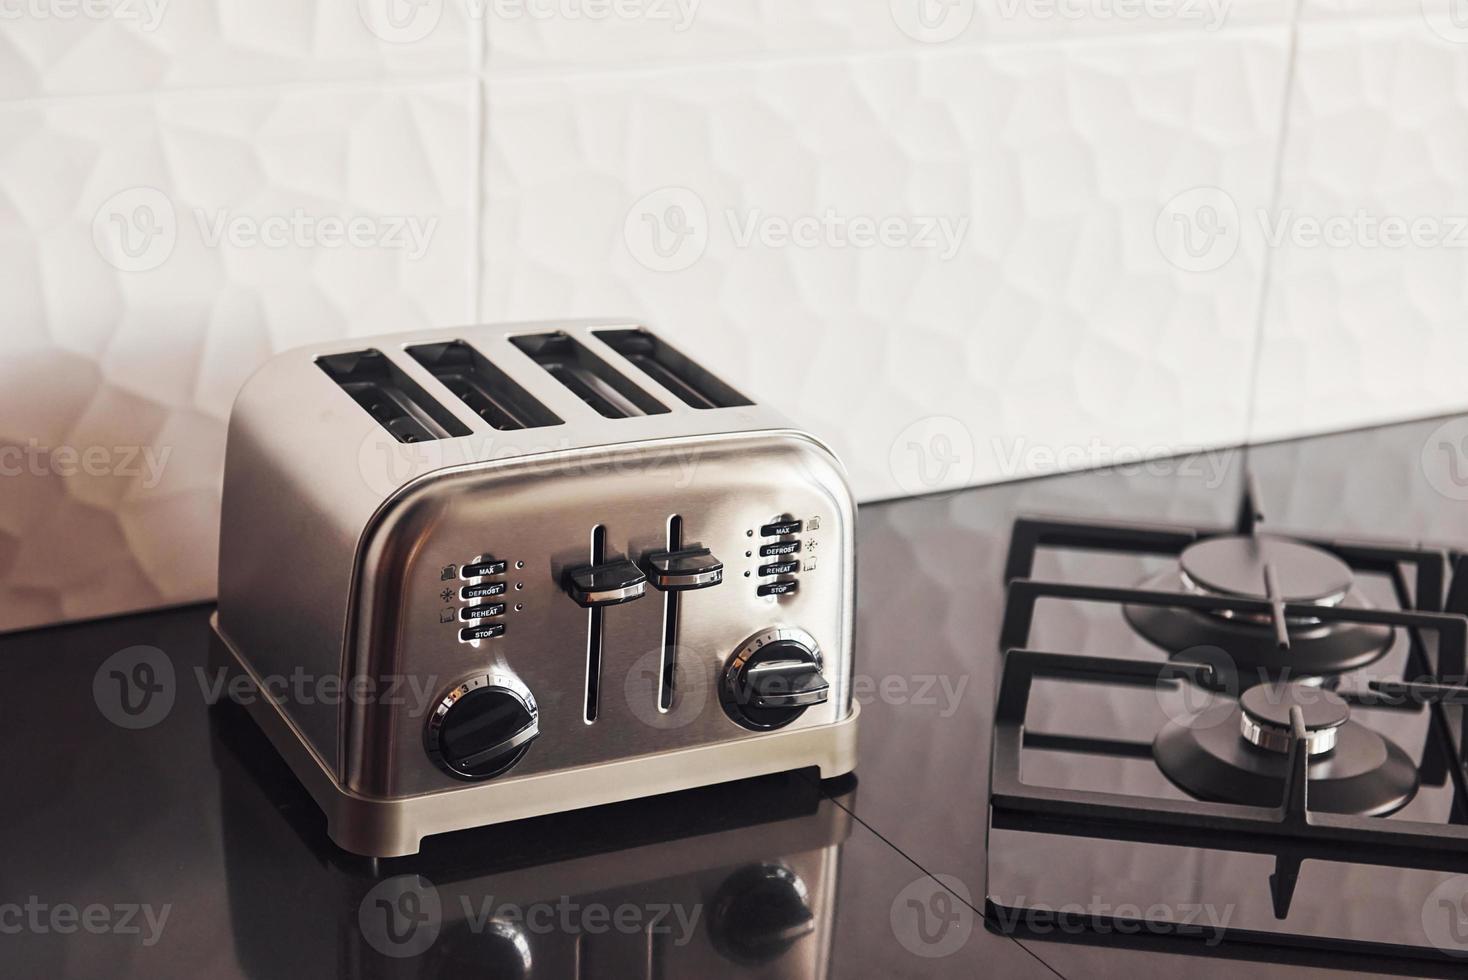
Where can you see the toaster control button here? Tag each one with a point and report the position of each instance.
(483, 591)
(780, 527)
(484, 726)
(773, 678)
(691, 568)
(482, 612)
(778, 588)
(488, 631)
(780, 568)
(777, 548)
(606, 584)
(483, 568)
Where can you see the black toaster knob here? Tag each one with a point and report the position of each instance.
(773, 678)
(759, 913)
(483, 727)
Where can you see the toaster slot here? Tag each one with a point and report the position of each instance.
(391, 397)
(591, 379)
(488, 391)
(594, 631)
(681, 375)
(670, 624)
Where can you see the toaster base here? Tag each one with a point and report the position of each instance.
(395, 827)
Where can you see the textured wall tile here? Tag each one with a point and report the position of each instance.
(722, 205)
(1365, 318)
(63, 47)
(631, 34)
(143, 302)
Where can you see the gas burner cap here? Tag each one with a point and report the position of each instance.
(1363, 773)
(1234, 566)
(1264, 718)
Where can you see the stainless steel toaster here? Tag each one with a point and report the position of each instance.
(475, 575)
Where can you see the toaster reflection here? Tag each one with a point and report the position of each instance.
(731, 880)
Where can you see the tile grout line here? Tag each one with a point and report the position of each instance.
(477, 191)
(912, 861)
(1266, 280)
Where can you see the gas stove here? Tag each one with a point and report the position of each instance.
(1217, 732)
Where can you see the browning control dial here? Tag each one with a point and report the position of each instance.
(484, 726)
(772, 678)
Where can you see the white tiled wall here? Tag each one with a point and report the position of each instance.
(1035, 226)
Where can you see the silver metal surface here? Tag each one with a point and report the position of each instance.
(1277, 739)
(394, 827)
(340, 548)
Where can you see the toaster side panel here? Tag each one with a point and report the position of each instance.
(631, 679)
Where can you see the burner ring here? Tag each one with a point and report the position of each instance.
(1364, 774)
(1264, 716)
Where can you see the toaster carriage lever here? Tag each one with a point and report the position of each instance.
(690, 568)
(606, 584)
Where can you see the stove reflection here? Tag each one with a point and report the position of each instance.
(735, 880)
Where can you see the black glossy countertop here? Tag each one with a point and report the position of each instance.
(187, 849)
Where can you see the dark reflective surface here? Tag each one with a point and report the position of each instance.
(194, 825)
(196, 853)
